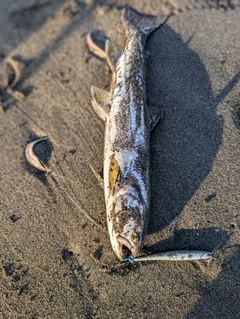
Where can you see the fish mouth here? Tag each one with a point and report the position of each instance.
(126, 249)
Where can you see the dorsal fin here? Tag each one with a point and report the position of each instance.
(113, 54)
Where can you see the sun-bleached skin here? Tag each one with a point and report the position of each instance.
(126, 150)
(127, 139)
(128, 126)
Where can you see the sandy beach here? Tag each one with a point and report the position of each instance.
(54, 261)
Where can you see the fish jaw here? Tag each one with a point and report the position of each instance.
(125, 243)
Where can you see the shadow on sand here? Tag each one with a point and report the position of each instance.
(184, 145)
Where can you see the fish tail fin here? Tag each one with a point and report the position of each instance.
(135, 21)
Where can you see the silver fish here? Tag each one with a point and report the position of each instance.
(128, 126)
(175, 255)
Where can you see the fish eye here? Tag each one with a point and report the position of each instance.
(136, 237)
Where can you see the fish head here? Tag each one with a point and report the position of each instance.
(126, 226)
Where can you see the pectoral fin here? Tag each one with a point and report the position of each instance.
(113, 54)
(114, 172)
(155, 115)
(100, 102)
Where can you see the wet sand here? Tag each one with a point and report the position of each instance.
(56, 263)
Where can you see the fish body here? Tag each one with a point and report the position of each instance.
(127, 133)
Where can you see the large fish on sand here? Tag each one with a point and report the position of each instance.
(129, 122)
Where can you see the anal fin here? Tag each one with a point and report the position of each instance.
(100, 102)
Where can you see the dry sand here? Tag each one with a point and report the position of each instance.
(54, 262)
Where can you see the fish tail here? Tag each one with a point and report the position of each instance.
(134, 21)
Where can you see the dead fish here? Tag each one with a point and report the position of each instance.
(32, 158)
(177, 255)
(128, 126)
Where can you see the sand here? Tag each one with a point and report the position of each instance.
(55, 262)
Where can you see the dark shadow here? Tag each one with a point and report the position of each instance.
(185, 144)
(27, 90)
(33, 15)
(221, 299)
(207, 238)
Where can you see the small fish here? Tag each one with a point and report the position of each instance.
(129, 123)
(176, 255)
(32, 158)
